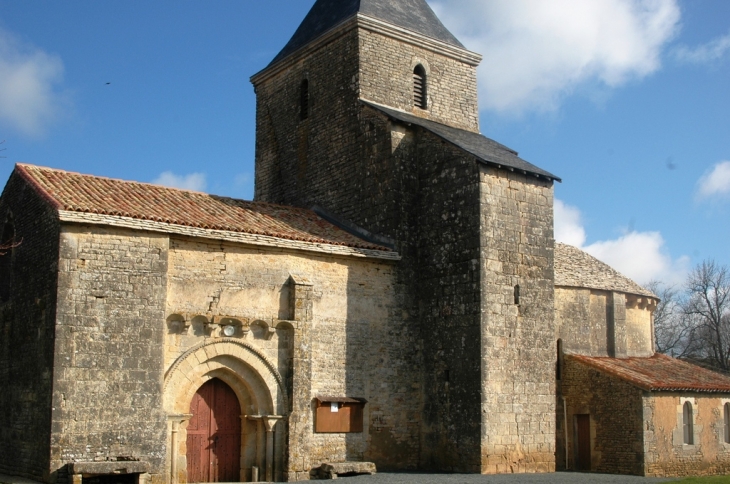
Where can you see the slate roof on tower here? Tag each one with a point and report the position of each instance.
(484, 149)
(413, 15)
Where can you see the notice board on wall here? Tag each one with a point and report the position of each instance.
(339, 414)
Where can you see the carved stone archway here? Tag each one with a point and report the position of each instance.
(261, 393)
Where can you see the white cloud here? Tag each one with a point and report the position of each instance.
(715, 182)
(641, 256)
(568, 226)
(193, 181)
(703, 54)
(536, 51)
(28, 76)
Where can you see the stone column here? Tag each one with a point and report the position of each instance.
(300, 421)
(270, 422)
(260, 442)
(616, 325)
(242, 460)
(175, 421)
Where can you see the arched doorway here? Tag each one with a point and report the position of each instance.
(214, 434)
(259, 391)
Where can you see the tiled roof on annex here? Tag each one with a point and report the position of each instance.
(659, 373)
(576, 268)
(77, 192)
(325, 15)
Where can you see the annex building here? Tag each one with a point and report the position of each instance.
(394, 295)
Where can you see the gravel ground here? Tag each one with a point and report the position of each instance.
(408, 478)
(556, 478)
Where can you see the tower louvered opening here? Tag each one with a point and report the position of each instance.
(420, 95)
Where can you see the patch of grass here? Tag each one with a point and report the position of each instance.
(707, 480)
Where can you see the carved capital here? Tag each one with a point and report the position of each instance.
(270, 421)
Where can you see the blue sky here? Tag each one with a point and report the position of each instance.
(626, 100)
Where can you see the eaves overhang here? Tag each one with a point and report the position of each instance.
(484, 149)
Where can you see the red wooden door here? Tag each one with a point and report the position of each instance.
(583, 442)
(214, 434)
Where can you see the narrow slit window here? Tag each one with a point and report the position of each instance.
(726, 409)
(304, 100)
(420, 92)
(687, 424)
(558, 362)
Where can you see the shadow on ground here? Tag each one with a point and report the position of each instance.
(555, 478)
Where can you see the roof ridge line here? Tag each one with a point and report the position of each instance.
(22, 170)
(26, 166)
(104, 177)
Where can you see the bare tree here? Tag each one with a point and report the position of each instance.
(4, 247)
(2, 149)
(707, 305)
(673, 331)
(7, 240)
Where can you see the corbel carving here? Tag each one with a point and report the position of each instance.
(178, 323)
(263, 330)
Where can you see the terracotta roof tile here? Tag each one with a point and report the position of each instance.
(659, 373)
(92, 194)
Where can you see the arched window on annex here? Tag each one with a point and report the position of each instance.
(7, 246)
(726, 415)
(420, 87)
(304, 104)
(687, 425)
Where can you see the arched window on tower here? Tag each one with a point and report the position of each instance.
(304, 100)
(420, 87)
(7, 240)
(687, 424)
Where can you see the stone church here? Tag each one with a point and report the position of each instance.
(392, 296)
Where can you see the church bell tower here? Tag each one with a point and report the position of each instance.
(369, 114)
(396, 54)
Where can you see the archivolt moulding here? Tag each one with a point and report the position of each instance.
(225, 356)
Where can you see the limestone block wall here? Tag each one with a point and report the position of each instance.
(107, 380)
(580, 318)
(294, 156)
(346, 344)
(604, 323)
(342, 157)
(354, 164)
(517, 332)
(386, 77)
(403, 183)
(27, 313)
(448, 290)
(616, 420)
(665, 451)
